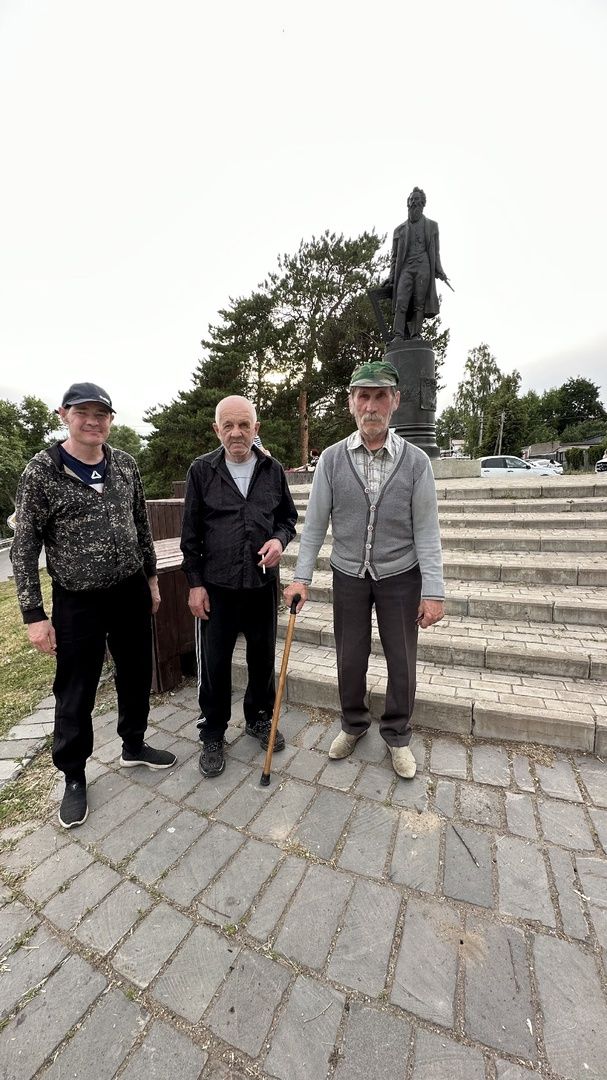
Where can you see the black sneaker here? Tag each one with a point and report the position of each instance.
(154, 759)
(74, 807)
(212, 761)
(261, 731)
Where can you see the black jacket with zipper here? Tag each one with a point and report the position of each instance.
(92, 540)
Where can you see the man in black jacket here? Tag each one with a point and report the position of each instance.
(238, 519)
(84, 502)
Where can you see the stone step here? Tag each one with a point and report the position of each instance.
(560, 489)
(573, 606)
(549, 568)
(530, 521)
(511, 539)
(526, 647)
(570, 713)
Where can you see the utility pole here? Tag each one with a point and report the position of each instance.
(500, 436)
(480, 434)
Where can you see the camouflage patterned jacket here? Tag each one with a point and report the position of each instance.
(91, 541)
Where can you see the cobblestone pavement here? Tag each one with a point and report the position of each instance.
(340, 923)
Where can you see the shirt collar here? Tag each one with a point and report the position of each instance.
(390, 445)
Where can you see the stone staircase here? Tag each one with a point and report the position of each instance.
(522, 651)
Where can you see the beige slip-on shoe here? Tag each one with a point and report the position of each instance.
(343, 745)
(403, 762)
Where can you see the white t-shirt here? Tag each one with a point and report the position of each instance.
(241, 473)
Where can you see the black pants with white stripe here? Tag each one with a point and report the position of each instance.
(253, 613)
(83, 623)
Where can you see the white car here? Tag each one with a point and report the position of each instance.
(505, 465)
(554, 465)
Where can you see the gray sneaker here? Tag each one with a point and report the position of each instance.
(343, 745)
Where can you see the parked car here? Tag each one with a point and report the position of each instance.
(601, 465)
(554, 465)
(513, 466)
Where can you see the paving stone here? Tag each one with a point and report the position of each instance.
(593, 877)
(468, 866)
(209, 794)
(507, 1071)
(416, 851)
(437, 1057)
(144, 952)
(362, 950)
(14, 921)
(375, 1044)
(412, 794)
(594, 775)
(448, 758)
(481, 805)
(444, 797)
(303, 1043)
(104, 927)
(306, 764)
(426, 968)
(106, 816)
(523, 882)
(243, 749)
(323, 823)
(33, 849)
(490, 765)
(165, 848)
(100, 1046)
(129, 836)
(33, 1034)
(304, 936)
(245, 802)
(575, 1013)
(221, 1070)
(164, 1053)
(368, 839)
(54, 872)
(339, 774)
(330, 733)
(227, 900)
(558, 781)
(244, 1010)
(66, 909)
(497, 988)
(26, 968)
(17, 749)
(292, 721)
(374, 783)
(520, 816)
(191, 980)
(522, 773)
(570, 903)
(372, 749)
(283, 811)
(181, 781)
(199, 865)
(565, 824)
(270, 908)
(599, 820)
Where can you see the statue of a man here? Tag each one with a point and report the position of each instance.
(414, 268)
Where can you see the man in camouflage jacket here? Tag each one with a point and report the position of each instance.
(84, 502)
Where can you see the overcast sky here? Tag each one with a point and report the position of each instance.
(158, 156)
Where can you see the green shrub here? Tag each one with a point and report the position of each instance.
(575, 458)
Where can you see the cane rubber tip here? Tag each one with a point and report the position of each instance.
(265, 779)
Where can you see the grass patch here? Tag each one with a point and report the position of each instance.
(28, 797)
(26, 675)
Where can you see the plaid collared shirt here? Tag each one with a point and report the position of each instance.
(374, 466)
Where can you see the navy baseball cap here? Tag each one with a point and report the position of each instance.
(81, 392)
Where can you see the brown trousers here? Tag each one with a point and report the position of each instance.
(396, 601)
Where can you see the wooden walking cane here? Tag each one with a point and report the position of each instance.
(267, 765)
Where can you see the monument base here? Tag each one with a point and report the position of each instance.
(415, 418)
(455, 468)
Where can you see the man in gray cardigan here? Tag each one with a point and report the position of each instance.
(378, 491)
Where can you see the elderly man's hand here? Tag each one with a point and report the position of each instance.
(430, 612)
(199, 603)
(291, 591)
(270, 553)
(42, 636)
(155, 593)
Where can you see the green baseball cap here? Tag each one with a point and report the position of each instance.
(376, 373)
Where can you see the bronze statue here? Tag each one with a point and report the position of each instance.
(413, 271)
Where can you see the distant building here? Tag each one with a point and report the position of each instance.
(558, 450)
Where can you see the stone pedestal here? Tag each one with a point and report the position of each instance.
(416, 415)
